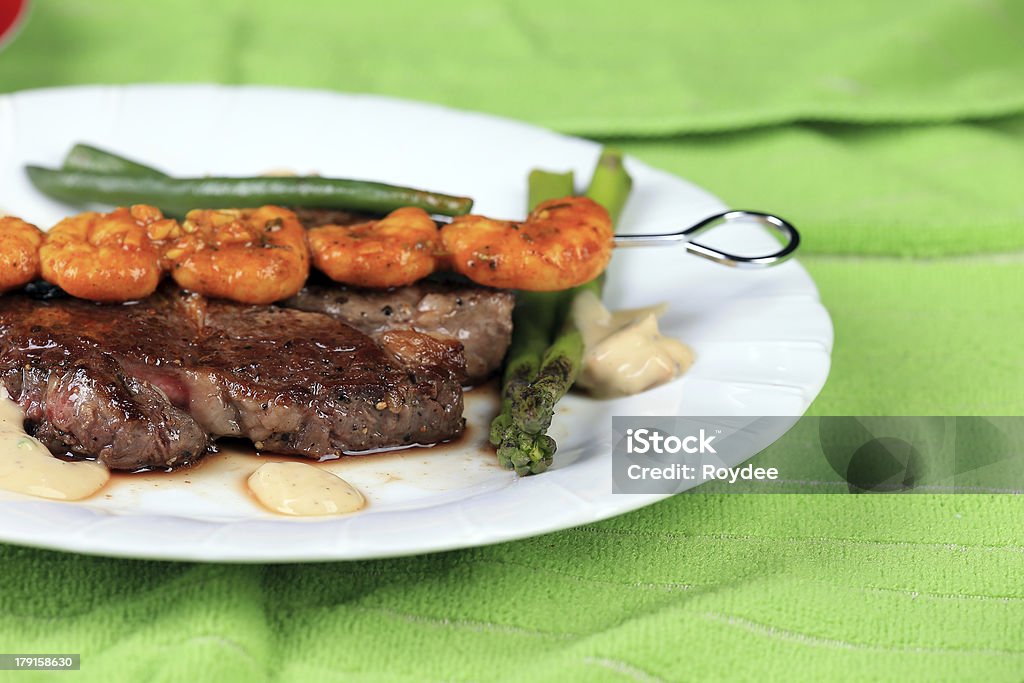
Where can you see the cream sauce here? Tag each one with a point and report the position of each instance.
(26, 466)
(295, 488)
(624, 351)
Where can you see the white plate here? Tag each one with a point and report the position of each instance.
(762, 339)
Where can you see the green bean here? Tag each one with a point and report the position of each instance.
(176, 196)
(84, 157)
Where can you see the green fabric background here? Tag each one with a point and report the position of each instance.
(891, 133)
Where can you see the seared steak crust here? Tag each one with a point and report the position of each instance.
(154, 383)
(478, 317)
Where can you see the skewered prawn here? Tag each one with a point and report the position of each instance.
(105, 257)
(255, 256)
(396, 250)
(561, 244)
(19, 252)
(262, 255)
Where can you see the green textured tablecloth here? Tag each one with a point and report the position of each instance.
(892, 133)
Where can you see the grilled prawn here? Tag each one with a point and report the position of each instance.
(19, 252)
(255, 256)
(396, 250)
(106, 257)
(561, 244)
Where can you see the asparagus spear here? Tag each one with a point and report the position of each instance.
(535, 404)
(526, 453)
(611, 184)
(527, 409)
(533, 321)
(545, 185)
(610, 187)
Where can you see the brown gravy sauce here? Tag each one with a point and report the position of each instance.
(318, 489)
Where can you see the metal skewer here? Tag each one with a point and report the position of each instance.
(685, 238)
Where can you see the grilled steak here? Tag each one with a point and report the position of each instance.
(478, 317)
(154, 383)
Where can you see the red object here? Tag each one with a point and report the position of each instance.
(11, 14)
